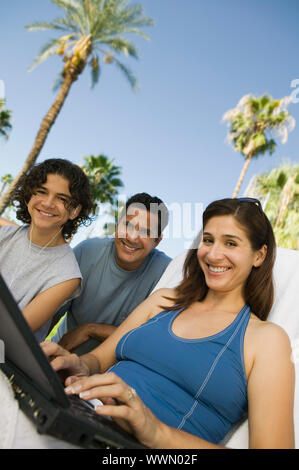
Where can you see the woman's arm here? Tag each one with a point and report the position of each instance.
(271, 390)
(45, 304)
(103, 357)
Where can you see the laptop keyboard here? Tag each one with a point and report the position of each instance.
(80, 406)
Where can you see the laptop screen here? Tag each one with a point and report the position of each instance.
(23, 351)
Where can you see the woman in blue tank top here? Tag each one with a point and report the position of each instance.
(190, 362)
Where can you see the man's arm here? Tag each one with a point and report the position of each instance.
(103, 357)
(84, 332)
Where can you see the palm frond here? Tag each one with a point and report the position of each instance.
(122, 45)
(75, 12)
(41, 25)
(67, 24)
(128, 74)
(57, 82)
(133, 16)
(5, 120)
(49, 49)
(68, 5)
(95, 70)
(97, 6)
(2, 103)
(136, 31)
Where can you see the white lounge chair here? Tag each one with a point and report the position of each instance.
(16, 431)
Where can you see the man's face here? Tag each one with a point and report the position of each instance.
(136, 236)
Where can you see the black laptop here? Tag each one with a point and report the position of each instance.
(40, 391)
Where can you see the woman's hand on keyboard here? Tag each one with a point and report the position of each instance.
(62, 360)
(122, 404)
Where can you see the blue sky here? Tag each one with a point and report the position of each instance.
(169, 138)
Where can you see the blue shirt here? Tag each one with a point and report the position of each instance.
(197, 385)
(109, 293)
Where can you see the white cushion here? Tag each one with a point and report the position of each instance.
(284, 312)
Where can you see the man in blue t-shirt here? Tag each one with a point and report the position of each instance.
(118, 274)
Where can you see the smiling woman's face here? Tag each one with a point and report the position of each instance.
(225, 255)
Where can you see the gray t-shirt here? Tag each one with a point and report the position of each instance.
(109, 293)
(29, 269)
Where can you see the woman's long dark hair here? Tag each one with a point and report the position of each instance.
(258, 290)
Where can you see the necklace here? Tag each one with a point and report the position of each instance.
(30, 249)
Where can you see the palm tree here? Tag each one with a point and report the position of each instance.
(5, 118)
(92, 33)
(279, 192)
(5, 180)
(114, 212)
(103, 178)
(5, 127)
(252, 125)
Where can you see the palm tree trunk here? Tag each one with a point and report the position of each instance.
(241, 177)
(3, 187)
(41, 136)
(71, 72)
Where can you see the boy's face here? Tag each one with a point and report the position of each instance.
(136, 236)
(49, 206)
